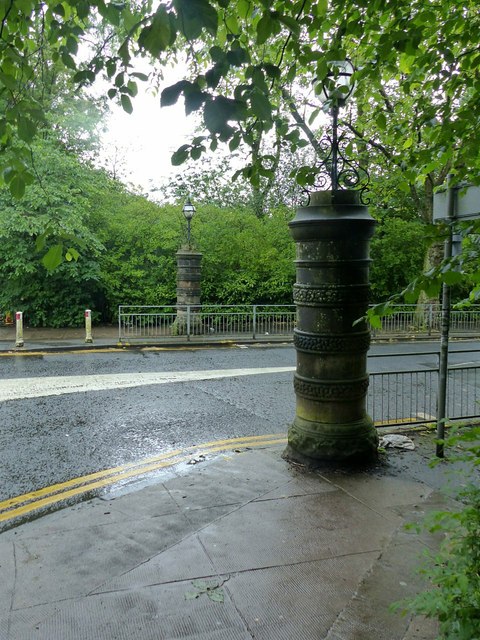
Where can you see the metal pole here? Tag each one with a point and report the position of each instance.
(334, 175)
(445, 327)
(254, 321)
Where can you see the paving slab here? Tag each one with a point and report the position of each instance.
(285, 553)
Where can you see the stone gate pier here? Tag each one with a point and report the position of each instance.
(332, 237)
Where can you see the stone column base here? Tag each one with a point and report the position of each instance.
(310, 442)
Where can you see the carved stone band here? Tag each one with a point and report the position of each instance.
(329, 294)
(317, 390)
(314, 343)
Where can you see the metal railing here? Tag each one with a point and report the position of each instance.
(205, 321)
(410, 396)
(427, 318)
(255, 321)
(394, 397)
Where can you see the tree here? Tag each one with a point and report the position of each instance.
(247, 260)
(55, 210)
(212, 182)
(255, 70)
(141, 238)
(397, 252)
(248, 58)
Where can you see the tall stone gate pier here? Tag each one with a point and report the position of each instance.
(189, 273)
(332, 237)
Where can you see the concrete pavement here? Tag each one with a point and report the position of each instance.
(104, 337)
(49, 338)
(241, 546)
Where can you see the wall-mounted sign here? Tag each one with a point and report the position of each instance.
(466, 204)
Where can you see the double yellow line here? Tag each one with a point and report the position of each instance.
(22, 506)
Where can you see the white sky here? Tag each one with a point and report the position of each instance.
(146, 139)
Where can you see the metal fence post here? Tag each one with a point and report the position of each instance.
(254, 321)
(443, 362)
(188, 322)
(430, 319)
(119, 324)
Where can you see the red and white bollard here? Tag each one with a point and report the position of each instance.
(88, 326)
(19, 329)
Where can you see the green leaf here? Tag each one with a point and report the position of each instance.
(196, 152)
(374, 321)
(126, 103)
(17, 186)
(243, 8)
(404, 186)
(408, 143)
(453, 277)
(141, 76)
(194, 98)
(53, 258)
(67, 60)
(156, 37)
(83, 9)
(124, 52)
(381, 121)
(321, 8)
(238, 56)
(196, 15)
(180, 155)
(406, 62)
(264, 28)
(9, 81)
(111, 67)
(217, 54)
(261, 106)
(170, 95)
(73, 253)
(290, 23)
(216, 595)
(200, 584)
(40, 242)
(232, 24)
(219, 111)
(234, 143)
(214, 75)
(132, 88)
(272, 71)
(72, 45)
(26, 129)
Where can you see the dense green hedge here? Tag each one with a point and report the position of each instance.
(119, 248)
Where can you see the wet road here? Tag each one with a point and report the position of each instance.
(122, 407)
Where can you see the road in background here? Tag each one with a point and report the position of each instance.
(49, 439)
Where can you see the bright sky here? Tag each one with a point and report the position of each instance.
(146, 139)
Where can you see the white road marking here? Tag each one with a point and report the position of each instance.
(19, 388)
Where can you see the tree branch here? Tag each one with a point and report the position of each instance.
(301, 122)
(5, 17)
(376, 145)
(386, 100)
